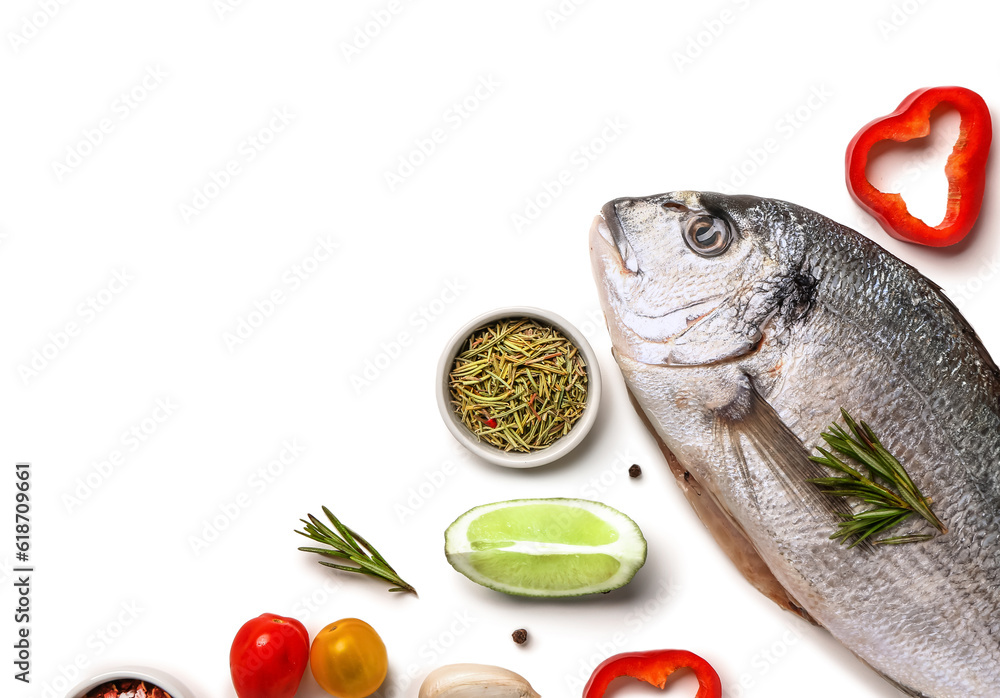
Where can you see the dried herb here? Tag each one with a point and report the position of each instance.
(518, 384)
(350, 546)
(884, 484)
(126, 688)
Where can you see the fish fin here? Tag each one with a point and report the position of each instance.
(727, 533)
(725, 429)
(752, 417)
(711, 339)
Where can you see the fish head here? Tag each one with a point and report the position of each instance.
(689, 278)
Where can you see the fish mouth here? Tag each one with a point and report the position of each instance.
(646, 335)
(608, 227)
(610, 217)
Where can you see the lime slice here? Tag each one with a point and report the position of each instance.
(546, 547)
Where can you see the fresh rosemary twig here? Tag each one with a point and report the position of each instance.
(886, 486)
(350, 546)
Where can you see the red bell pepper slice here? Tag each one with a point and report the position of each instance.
(653, 667)
(965, 169)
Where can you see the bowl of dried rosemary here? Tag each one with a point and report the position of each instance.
(129, 682)
(519, 386)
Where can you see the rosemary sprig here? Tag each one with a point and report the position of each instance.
(884, 484)
(350, 546)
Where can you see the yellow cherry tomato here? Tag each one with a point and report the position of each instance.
(348, 659)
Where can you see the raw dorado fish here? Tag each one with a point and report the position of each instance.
(742, 326)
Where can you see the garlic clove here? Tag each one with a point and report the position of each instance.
(479, 680)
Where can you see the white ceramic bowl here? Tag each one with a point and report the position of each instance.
(154, 676)
(512, 459)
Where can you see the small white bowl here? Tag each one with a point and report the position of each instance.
(153, 676)
(512, 459)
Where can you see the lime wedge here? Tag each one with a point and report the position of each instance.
(546, 547)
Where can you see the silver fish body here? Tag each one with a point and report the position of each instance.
(742, 326)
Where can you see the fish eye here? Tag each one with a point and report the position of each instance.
(707, 236)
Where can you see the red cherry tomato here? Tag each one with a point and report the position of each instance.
(268, 657)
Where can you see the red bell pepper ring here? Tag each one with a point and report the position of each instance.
(653, 667)
(965, 169)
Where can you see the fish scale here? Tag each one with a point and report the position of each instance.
(841, 324)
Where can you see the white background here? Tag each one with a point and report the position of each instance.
(696, 90)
